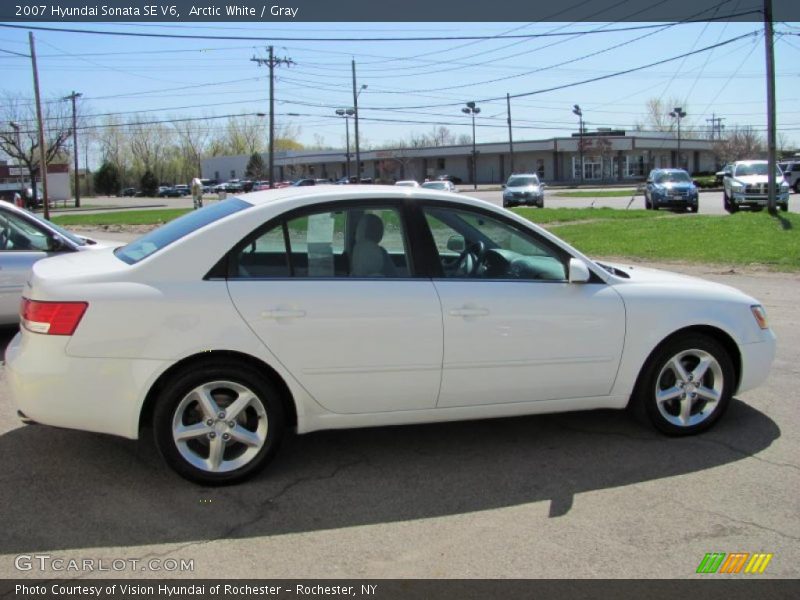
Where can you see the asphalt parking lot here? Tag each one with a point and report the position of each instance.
(589, 494)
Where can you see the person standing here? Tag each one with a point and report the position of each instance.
(197, 193)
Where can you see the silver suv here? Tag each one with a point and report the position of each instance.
(523, 188)
(745, 185)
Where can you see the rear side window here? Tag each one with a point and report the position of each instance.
(175, 230)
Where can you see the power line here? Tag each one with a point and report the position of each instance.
(358, 39)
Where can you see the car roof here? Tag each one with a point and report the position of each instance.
(669, 170)
(356, 193)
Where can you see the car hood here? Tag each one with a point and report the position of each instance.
(96, 244)
(753, 179)
(523, 188)
(679, 185)
(634, 274)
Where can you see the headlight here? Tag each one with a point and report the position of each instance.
(736, 185)
(784, 185)
(760, 316)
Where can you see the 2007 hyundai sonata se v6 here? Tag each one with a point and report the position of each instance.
(324, 307)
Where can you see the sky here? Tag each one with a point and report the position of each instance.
(414, 86)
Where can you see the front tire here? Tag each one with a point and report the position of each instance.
(218, 424)
(685, 386)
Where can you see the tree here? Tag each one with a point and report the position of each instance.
(107, 179)
(149, 184)
(255, 167)
(739, 143)
(657, 114)
(24, 150)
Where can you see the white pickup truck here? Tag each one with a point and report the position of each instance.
(745, 185)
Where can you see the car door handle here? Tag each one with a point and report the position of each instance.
(283, 313)
(469, 311)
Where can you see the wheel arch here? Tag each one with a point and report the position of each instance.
(215, 357)
(714, 333)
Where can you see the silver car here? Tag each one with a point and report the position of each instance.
(24, 239)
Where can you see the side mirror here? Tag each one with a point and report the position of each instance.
(542, 184)
(578, 271)
(649, 181)
(56, 244)
(456, 243)
(503, 186)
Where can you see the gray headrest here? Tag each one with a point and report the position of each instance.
(370, 227)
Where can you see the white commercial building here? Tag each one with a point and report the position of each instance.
(608, 156)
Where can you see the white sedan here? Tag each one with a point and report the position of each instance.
(321, 308)
(25, 238)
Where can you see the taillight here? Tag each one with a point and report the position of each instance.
(51, 318)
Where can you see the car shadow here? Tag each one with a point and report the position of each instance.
(64, 489)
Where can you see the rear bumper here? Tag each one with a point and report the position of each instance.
(92, 394)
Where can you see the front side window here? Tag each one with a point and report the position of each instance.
(472, 245)
(350, 242)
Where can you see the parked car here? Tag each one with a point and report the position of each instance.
(183, 189)
(407, 183)
(745, 185)
(670, 188)
(169, 192)
(25, 238)
(524, 188)
(444, 185)
(791, 173)
(311, 309)
(304, 182)
(450, 178)
(128, 192)
(720, 175)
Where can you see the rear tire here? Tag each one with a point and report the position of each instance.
(685, 386)
(218, 424)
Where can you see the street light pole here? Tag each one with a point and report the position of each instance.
(678, 113)
(473, 110)
(510, 138)
(576, 110)
(347, 113)
(771, 131)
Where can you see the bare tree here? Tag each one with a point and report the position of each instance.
(192, 142)
(657, 116)
(114, 144)
(148, 145)
(464, 139)
(739, 143)
(440, 136)
(246, 134)
(24, 148)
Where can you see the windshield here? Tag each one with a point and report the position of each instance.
(754, 169)
(78, 241)
(672, 177)
(523, 181)
(436, 185)
(180, 227)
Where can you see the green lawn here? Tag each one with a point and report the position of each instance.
(558, 215)
(122, 217)
(614, 193)
(741, 239)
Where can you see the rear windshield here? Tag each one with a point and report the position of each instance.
(180, 227)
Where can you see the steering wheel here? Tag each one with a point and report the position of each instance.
(470, 260)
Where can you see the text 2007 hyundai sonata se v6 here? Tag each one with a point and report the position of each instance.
(322, 308)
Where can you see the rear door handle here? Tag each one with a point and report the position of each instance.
(283, 313)
(469, 311)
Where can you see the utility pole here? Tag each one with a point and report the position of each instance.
(716, 126)
(771, 135)
(40, 120)
(576, 110)
(272, 62)
(74, 96)
(510, 138)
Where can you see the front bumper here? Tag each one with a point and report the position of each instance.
(674, 201)
(756, 362)
(523, 200)
(745, 199)
(103, 395)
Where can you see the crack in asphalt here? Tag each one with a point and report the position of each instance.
(263, 508)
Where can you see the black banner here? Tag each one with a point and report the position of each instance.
(286, 11)
(745, 588)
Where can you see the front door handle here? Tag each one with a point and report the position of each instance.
(469, 311)
(283, 313)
